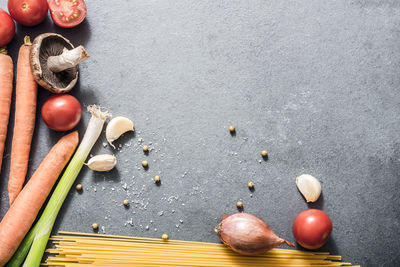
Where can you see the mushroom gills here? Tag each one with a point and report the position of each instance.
(68, 59)
(60, 74)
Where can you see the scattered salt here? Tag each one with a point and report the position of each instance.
(130, 222)
(172, 198)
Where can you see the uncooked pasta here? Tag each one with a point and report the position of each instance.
(79, 249)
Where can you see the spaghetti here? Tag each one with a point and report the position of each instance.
(79, 249)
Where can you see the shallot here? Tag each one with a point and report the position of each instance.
(248, 235)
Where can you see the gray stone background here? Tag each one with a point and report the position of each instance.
(316, 83)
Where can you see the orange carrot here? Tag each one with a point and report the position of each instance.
(6, 85)
(25, 113)
(23, 211)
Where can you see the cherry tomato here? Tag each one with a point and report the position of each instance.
(312, 228)
(67, 13)
(61, 112)
(7, 28)
(28, 12)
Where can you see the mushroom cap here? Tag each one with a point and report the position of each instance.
(44, 46)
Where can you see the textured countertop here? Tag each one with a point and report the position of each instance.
(316, 83)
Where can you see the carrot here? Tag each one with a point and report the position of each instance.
(6, 85)
(22, 213)
(25, 112)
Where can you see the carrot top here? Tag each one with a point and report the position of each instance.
(3, 50)
(27, 40)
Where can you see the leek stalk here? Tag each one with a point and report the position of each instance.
(36, 240)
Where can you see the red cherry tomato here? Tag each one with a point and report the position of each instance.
(61, 112)
(67, 13)
(312, 228)
(7, 28)
(28, 12)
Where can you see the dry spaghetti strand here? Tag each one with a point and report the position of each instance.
(81, 249)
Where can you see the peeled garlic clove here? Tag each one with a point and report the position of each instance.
(309, 187)
(102, 163)
(117, 127)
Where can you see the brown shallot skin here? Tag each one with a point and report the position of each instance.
(248, 235)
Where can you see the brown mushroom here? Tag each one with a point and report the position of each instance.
(54, 62)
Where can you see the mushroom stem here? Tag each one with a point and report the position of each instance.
(68, 59)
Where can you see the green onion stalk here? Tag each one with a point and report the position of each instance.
(34, 243)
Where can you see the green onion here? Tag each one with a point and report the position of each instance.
(36, 240)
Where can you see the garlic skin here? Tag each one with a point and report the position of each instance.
(102, 163)
(117, 127)
(309, 187)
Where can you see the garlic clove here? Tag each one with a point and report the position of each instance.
(309, 187)
(117, 127)
(102, 163)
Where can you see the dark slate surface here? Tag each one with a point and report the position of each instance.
(314, 83)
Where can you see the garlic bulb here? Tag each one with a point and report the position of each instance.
(117, 127)
(309, 187)
(102, 163)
